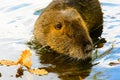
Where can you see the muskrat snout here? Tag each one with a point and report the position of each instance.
(87, 47)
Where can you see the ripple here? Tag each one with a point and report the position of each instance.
(16, 7)
(110, 4)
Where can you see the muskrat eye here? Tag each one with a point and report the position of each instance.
(58, 26)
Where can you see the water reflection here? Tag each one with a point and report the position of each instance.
(65, 67)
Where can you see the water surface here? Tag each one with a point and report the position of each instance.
(17, 18)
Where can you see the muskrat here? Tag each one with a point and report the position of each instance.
(70, 27)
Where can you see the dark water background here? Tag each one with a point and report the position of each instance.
(17, 18)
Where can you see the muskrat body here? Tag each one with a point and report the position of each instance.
(70, 27)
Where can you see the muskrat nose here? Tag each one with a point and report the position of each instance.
(87, 47)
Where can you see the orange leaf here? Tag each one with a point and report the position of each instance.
(100, 45)
(7, 62)
(25, 59)
(38, 71)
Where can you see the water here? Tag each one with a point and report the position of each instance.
(17, 19)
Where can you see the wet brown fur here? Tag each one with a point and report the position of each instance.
(81, 24)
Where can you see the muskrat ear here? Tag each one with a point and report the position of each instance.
(58, 26)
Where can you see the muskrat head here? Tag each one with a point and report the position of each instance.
(65, 32)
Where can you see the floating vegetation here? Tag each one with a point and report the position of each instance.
(24, 60)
